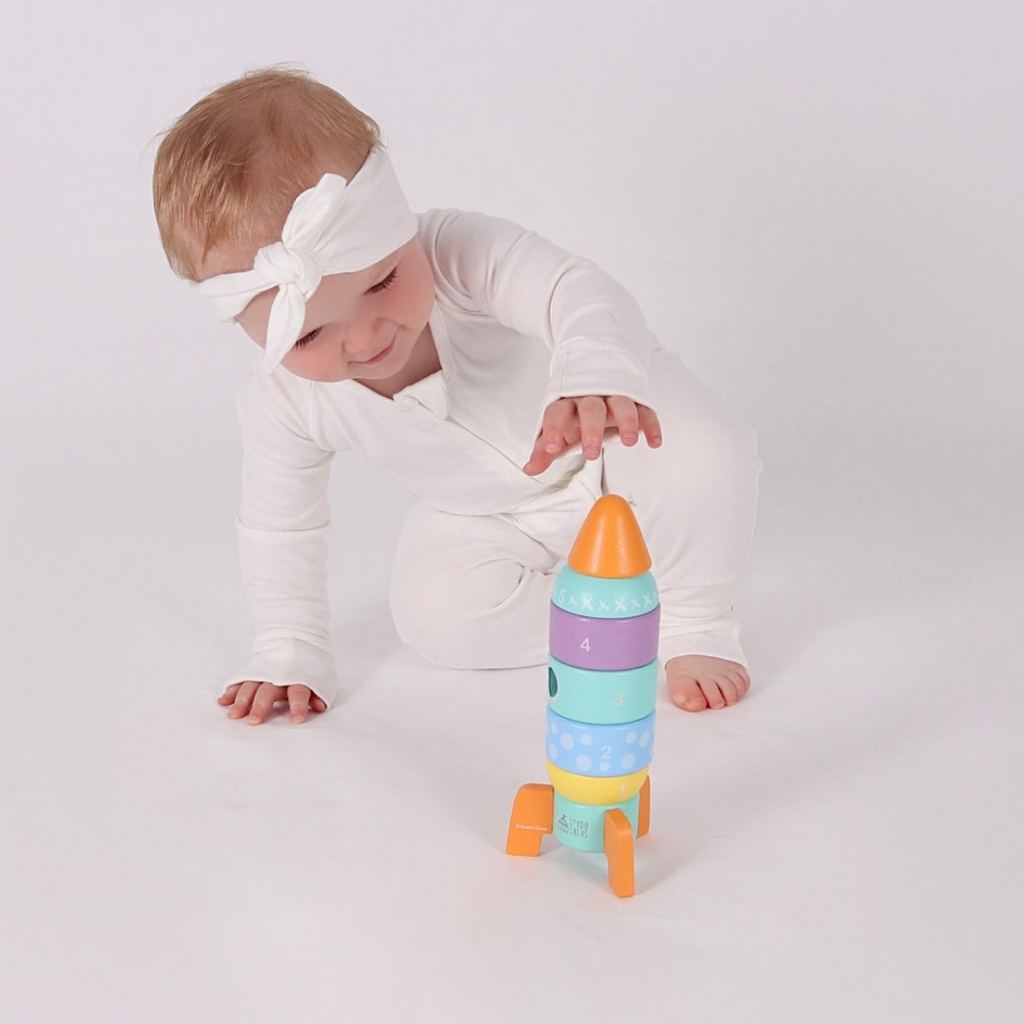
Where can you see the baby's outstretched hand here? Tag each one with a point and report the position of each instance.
(257, 700)
(586, 421)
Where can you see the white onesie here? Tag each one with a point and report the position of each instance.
(517, 323)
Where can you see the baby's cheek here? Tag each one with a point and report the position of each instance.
(313, 362)
(421, 288)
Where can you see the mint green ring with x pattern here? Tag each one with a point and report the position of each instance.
(600, 598)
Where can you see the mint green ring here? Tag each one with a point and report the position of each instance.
(581, 826)
(602, 698)
(600, 598)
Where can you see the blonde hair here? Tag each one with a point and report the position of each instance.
(229, 169)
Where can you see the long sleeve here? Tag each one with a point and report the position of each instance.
(283, 526)
(597, 335)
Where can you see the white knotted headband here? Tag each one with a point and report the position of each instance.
(335, 228)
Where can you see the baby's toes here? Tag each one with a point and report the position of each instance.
(716, 690)
(728, 687)
(741, 680)
(686, 693)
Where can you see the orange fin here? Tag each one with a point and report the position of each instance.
(533, 815)
(618, 848)
(643, 818)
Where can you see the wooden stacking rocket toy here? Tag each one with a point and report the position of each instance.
(602, 684)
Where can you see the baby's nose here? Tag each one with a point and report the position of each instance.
(361, 338)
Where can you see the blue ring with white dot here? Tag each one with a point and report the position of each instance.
(601, 751)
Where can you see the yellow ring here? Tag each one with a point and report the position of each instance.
(586, 789)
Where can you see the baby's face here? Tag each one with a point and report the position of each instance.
(358, 326)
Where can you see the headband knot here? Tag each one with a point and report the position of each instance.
(284, 266)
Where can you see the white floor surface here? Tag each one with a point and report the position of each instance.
(844, 845)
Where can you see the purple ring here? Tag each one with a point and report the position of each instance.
(604, 645)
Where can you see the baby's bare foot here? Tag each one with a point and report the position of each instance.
(696, 682)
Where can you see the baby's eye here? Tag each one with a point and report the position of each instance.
(388, 281)
(306, 338)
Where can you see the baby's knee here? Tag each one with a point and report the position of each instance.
(465, 620)
(731, 454)
(702, 433)
(712, 432)
(428, 620)
(709, 458)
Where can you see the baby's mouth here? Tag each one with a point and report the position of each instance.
(381, 355)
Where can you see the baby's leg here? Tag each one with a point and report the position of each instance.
(471, 591)
(695, 498)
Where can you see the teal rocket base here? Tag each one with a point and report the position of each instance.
(581, 826)
(611, 829)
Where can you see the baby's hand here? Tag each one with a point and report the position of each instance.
(572, 421)
(258, 699)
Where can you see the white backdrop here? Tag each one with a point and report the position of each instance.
(819, 206)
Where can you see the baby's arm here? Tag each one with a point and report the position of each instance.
(600, 343)
(283, 525)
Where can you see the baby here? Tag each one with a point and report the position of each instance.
(504, 381)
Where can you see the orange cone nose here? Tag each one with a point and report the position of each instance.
(610, 543)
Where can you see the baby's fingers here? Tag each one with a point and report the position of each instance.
(302, 700)
(539, 460)
(650, 425)
(228, 696)
(257, 700)
(267, 695)
(239, 696)
(625, 415)
(593, 414)
(552, 439)
(555, 426)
